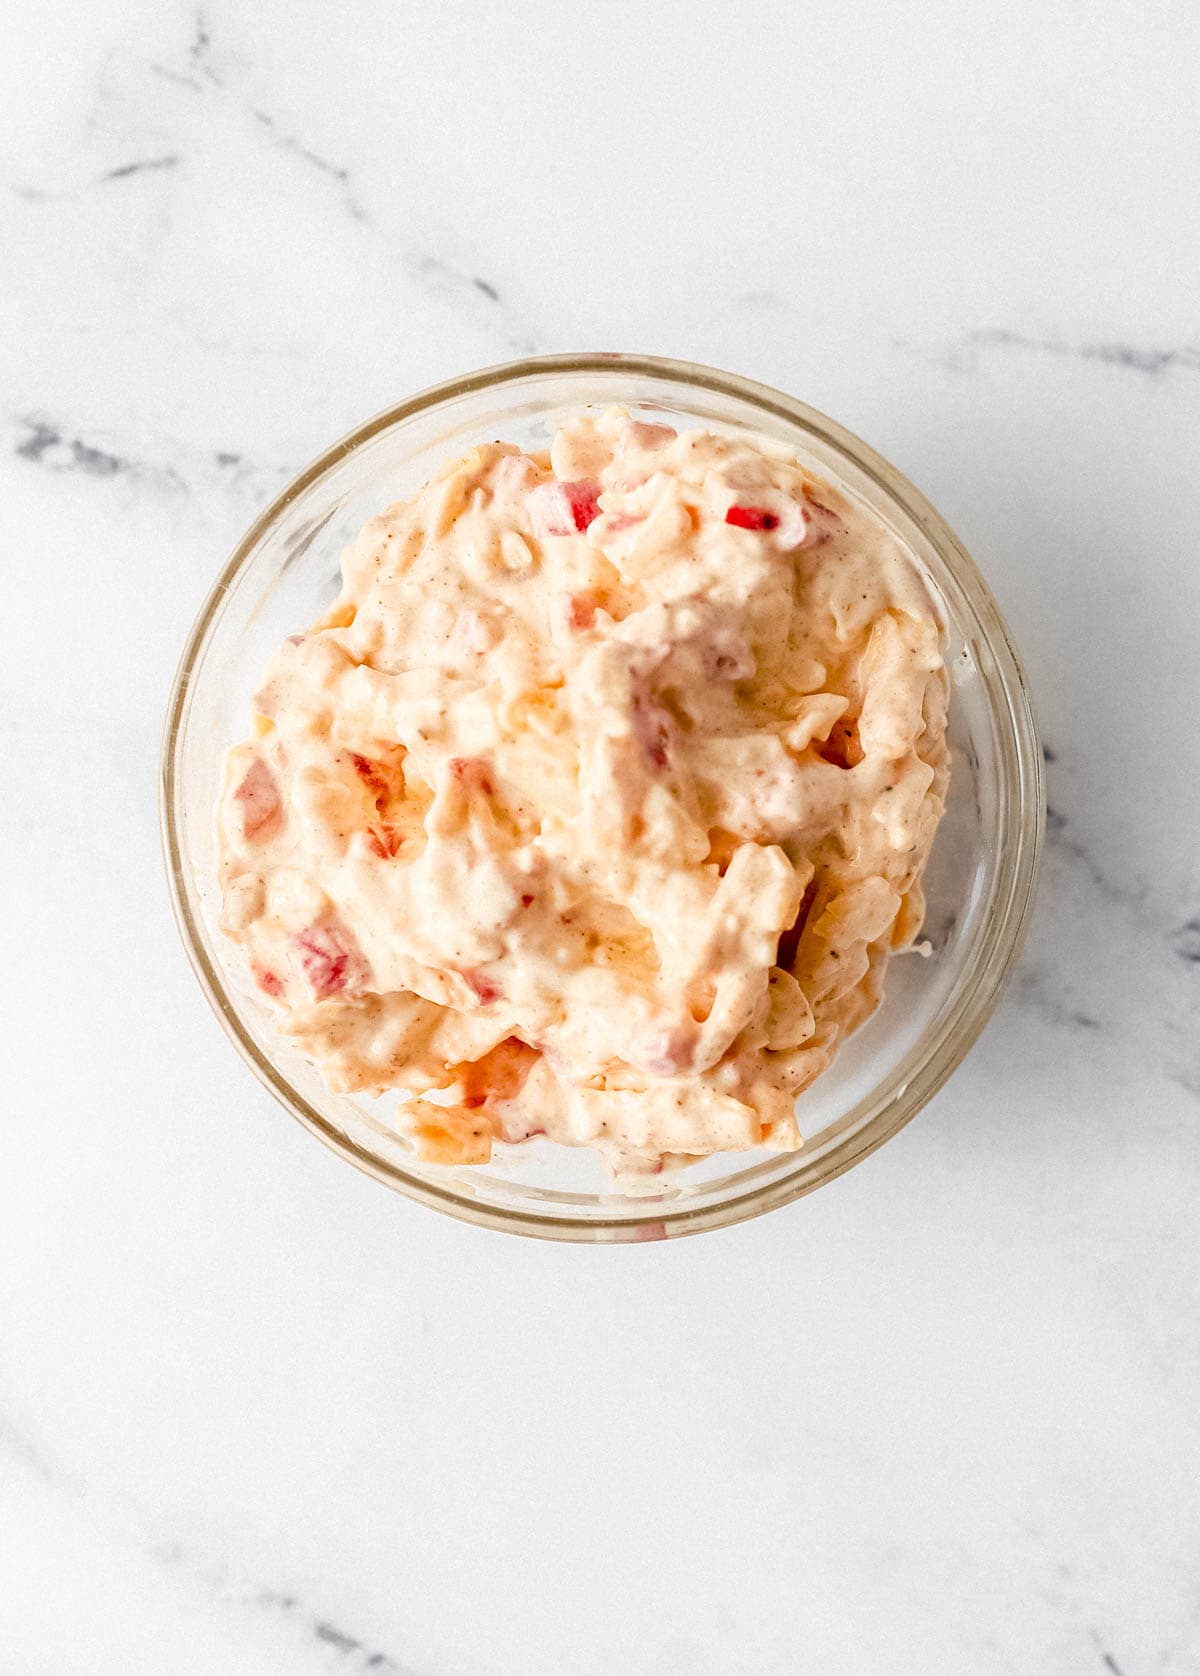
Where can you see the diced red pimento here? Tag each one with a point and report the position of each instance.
(645, 435)
(564, 508)
(821, 521)
(484, 990)
(384, 842)
(575, 613)
(328, 959)
(581, 612)
(668, 1052)
(259, 797)
(371, 775)
(785, 520)
(752, 518)
(583, 497)
(471, 636)
(726, 656)
(616, 523)
(652, 728)
(268, 982)
(473, 774)
(514, 473)
(384, 781)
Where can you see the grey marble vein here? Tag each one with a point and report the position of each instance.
(1039, 987)
(199, 50)
(141, 166)
(197, 73)
(1131, 357)
(1186, 942)
(179, 77)
(51, 445)
(46, 445)
(1107, 1659)
(17, 1445)
(289, 143)
(435, 273)
(1187, 1079)
(200, 69)
(355, 1653)
(171, 470)
(1098, 932)
(1064, 840)
(1100, 964)
(445, 278)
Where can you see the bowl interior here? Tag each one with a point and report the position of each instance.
(286, 572)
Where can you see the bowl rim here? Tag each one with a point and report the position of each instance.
(942, 1045)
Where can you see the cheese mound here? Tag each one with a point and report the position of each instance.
(599, 799)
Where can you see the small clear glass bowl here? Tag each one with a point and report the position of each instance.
(979, 884)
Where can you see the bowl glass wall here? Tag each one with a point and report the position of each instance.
(979, 882)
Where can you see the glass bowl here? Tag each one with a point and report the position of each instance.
(979, 885)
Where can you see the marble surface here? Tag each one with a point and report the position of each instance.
(257, 1415)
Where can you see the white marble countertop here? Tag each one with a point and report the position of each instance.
(259, 1416)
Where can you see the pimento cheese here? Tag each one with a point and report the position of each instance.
(599, 799)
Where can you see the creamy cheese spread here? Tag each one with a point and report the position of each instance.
(598, 800)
